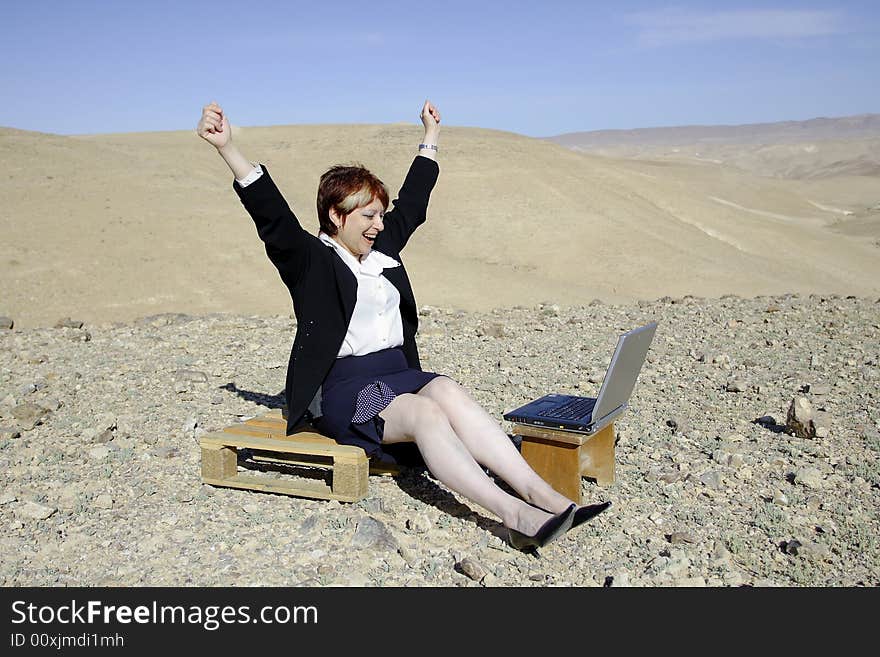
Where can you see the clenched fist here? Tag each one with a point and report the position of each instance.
(213, 127)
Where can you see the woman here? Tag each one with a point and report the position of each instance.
(354, 369)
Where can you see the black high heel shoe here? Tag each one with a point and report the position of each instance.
(549, 531)
(588, 512)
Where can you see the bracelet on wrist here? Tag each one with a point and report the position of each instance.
(433, 147)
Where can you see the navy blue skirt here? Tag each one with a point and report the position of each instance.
(356, 390)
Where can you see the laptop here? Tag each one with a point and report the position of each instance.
(589, 414)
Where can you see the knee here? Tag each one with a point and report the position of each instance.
(427, 412)
(444, 389)
(421, 414)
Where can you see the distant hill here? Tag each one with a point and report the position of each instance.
(861, 126)
(817, 148)
(107, 227)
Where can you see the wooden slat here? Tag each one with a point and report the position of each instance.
(346, 452)
(568, 437)
(305, 488)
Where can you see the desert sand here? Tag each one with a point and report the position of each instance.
(115, 227)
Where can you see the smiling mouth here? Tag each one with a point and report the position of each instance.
(369, 238)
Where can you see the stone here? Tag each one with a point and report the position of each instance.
(806, 549)
(165, 451)
(34, 511)
(372, 534)
(191, 376)
(6, 498)
(682, 537)
(420, 524)
(472, 568)
(809, 477)
(735, 385)
(800, 420)
(711, 479)
(6, 323)
(9, 433)
(51, 404)
(104, 501)
(99, 453)
(619, 579)
(29, 415)
(67, 322)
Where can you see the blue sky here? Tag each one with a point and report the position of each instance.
(536, 68)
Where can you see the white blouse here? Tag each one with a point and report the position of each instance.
(376, 323)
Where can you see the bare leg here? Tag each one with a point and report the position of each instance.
(489, 445)
(415, 418)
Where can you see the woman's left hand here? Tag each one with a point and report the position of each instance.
(430, 117)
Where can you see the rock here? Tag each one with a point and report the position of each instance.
(679, 425)
(165, 451)
(6, 498)
(6, 322)
(472, 568)
(420, 524)
(809, 550)
(735, 385)
(66, 322)
(682, 537)
(670, 477)
(822, 432)
(489, 579)
(619, 579)
(105, 421)
(372, 534)
(720, 555)
(29, 415)
(494, 330)
(104, 501)
(711, 479)
(690, 582)
(721, 457)
(809, 477)
(9, 433)
(99, 453)
(800, 418)
(191, 376)
(101, 438)
(34, 511)
(51, 404)
(780, 498)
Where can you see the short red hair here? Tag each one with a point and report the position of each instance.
(345, 189)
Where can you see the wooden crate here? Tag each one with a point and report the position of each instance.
(563, 457)
(346, 465)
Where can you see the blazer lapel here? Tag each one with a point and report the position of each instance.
(346, 285)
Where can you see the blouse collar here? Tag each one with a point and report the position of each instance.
(373, 264)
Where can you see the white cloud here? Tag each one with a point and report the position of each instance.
(673, 26)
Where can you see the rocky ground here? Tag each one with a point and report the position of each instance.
(99, 429)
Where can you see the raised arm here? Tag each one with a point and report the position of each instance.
(286, 242)
(214, 128)
(411, 204)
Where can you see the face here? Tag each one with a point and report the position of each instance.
(358, 230)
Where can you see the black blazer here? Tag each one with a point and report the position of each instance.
(323, 288)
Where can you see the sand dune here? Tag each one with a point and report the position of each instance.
(113, 227)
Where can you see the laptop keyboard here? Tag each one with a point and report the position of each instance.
(573, 409)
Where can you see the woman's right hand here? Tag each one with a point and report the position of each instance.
(213, 127)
